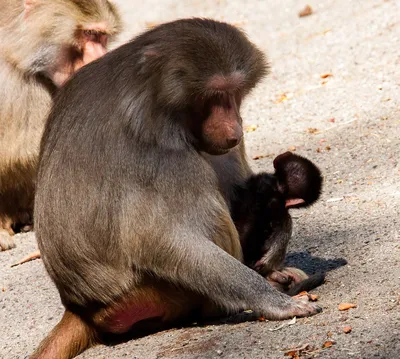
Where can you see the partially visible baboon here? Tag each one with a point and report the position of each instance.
(260, 211)
(42, 44)
(129, 215)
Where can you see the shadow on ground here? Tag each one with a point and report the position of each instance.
(312, 264)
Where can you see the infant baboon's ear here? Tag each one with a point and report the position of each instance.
(299, 179)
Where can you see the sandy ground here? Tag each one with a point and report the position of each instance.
(348, 123)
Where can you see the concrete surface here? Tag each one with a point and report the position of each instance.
(354, 117)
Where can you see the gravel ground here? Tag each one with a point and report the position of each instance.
(348, 123)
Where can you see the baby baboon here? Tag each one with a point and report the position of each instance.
(260, 211)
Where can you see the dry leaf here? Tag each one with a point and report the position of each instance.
(301, 294)
(329, 334)
(292, 148)
(328, 148)
(325, 76)
(313, 131)
(291, 353)
(282, 98)
(347, 329)
(318, 150)
(328, 344)
(258, 157)
(306, 11)
(311, 297)
(295, 352)
(150, 24)
(346, 306)
(250, 128)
